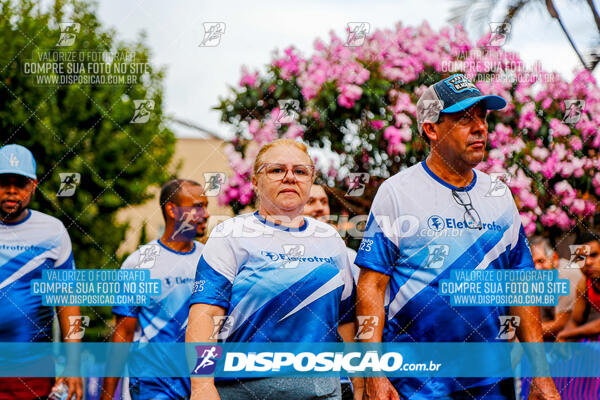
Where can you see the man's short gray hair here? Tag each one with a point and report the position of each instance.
(544, 242)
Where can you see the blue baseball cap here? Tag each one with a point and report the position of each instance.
(18, 160)
(453, 94)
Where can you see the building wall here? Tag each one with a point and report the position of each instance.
(194, 157)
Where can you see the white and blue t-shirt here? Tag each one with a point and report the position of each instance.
(165, 318)
(416, 234)
(277, 284)
(27, 248)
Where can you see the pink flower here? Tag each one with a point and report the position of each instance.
(558, 128)
(248, 78)
(528, 119)
(377, 124)
(348, 95)
(576, 143)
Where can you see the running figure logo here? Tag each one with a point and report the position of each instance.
(498, 33)
(222, 325)
(579, 252)
(214, 181)
(212, 34)
(142, 111)
(186, 223)
(573, 110)
(498, 183)
(289, 111)
(508, 326)
(68, 33)
(357, 33)
(77, 325)
(148, 255)
(432, 109)
(292, 251)
(68, 184)
(366, 326)
(207, 359)
(357, 183)
(437, 253)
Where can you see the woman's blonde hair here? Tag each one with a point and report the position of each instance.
(279, 142)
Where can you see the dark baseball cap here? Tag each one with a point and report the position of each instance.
(453, 94)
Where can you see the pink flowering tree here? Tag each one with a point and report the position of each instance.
(359, 102)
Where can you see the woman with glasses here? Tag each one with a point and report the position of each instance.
(273, 276)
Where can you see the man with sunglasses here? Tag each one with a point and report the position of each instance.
(30, 242)
(172, 259)
(434, 217)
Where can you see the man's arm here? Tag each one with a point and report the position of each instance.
(200, 328)
(552, 328)
(124, 330)
(530, 330)
(590, 329)
(370, 302)
(75, 384)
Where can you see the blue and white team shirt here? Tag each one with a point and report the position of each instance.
(165, 318)
(28, 247)
(277, 284)
(416, 234)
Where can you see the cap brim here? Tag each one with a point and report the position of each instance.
(492, 102)
(12, 172)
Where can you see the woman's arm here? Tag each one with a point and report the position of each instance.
(200, 328)
(347, 332)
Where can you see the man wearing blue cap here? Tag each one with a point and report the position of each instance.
(435, 217)
(30, 242)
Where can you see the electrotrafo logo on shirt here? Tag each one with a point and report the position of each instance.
(437, 223)
(292, 257)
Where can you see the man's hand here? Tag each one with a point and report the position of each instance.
(543, 389)
(380, 389)
(75, 386)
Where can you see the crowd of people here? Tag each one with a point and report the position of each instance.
(284, 274)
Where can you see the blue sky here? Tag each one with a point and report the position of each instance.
(197, 76)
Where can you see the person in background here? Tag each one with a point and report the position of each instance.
(585, 319)
(286, 279)
(584, 325)
(555, 318)
(30, 242)
(318, 208)
(172, 259)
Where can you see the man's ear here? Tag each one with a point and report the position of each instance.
(430, 129)
(170, 210)
(254, 183)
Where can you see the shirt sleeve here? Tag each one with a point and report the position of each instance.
(130, 262)
(347, 309)
(379, 247)
(216, 272)
(64, 258)
(520, 253)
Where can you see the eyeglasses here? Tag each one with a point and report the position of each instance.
(471, 217)
(276, 172)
